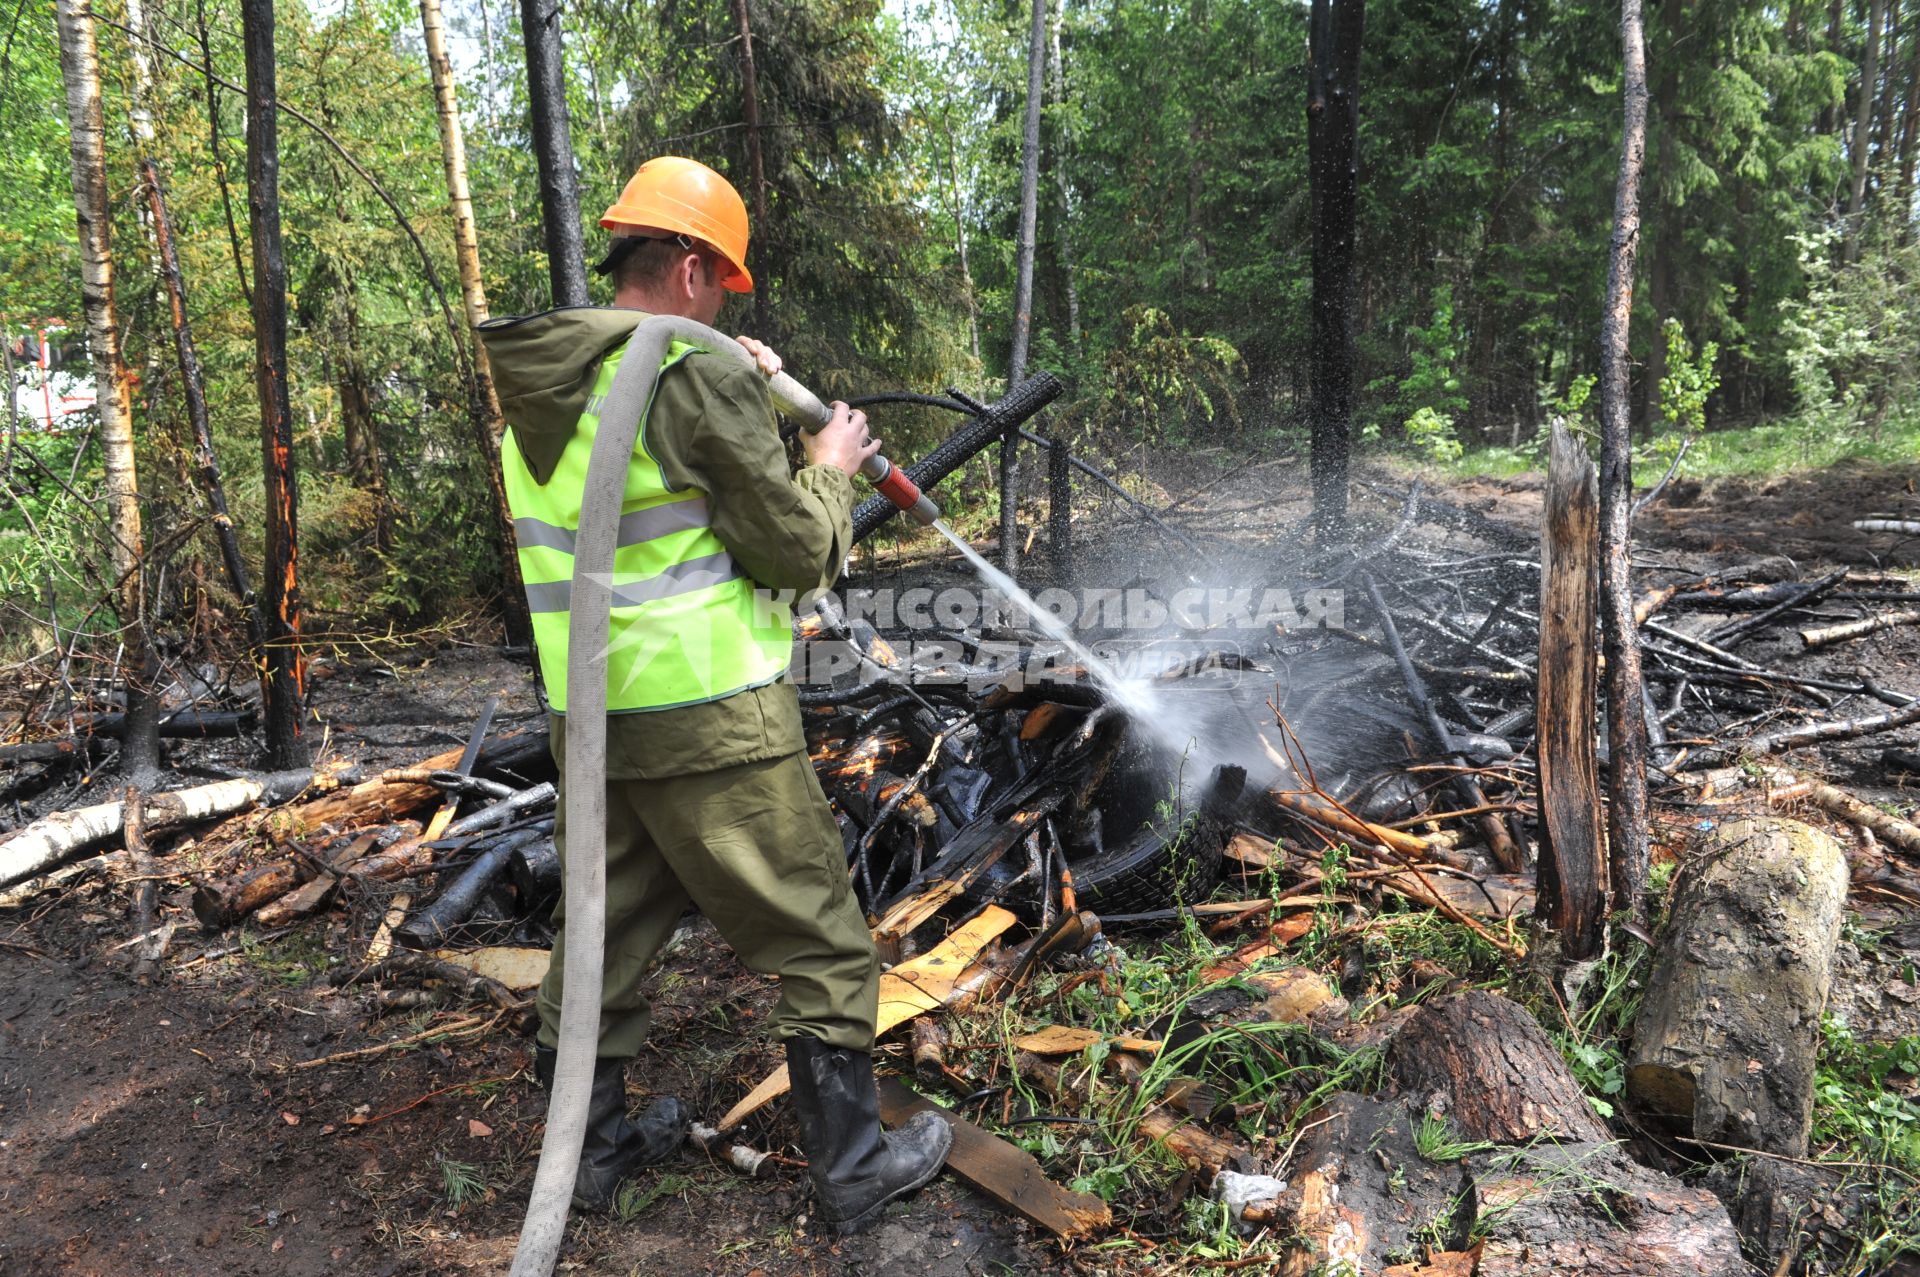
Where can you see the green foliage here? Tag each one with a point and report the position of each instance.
(1689, 381)
(1428, 397)
(1163, 383)
(1864, 1095)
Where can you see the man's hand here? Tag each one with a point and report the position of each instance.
(842, 442)
(763, 355)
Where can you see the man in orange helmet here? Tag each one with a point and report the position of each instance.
(711, 799)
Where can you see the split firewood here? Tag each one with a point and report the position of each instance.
(51, 840)
(1498, 1075)
(1729, 1025)
(313, 895)
(929, 1050)
(1828, 634)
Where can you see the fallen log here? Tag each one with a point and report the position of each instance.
(1829, 634)
(52, 840)
(183, 724)
(1811, 593)
(435, 924)
(313, 895)
(1498, 1075)
(1846, 729)
(1585, 1210)
(1729, 1026)
(534, 869)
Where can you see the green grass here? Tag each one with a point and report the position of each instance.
(1780, 446)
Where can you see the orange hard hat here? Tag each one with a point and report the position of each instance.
(672, 193)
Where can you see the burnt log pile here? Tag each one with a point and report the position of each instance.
(1412, 740)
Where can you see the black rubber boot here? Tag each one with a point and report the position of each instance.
(617, 1146)
(856, 1167)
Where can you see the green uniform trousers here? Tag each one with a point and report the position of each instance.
(754, 847)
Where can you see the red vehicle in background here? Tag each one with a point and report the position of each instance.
(50, 380)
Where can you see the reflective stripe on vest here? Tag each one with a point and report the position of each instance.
(685, 625)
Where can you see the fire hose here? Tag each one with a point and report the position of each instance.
(585, 882)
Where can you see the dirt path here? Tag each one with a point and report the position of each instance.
(150, 1129)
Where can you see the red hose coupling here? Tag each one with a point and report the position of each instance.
(897, 488)
(891, 482)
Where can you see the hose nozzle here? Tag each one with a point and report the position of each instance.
(799, 404)
(891, 482)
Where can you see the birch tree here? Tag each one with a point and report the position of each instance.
(473, 300)
(86, 121)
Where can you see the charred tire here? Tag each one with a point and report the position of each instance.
(1151, 871)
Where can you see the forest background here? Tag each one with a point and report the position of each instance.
(1777, 315)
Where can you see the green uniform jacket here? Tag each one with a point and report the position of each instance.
(712, 427)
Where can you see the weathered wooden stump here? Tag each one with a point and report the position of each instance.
(1730, 1024)
(1359, 1195)
(1585, 1210)
(1493, 1070)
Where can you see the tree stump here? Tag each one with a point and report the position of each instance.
(1496, 1074)
(1584, 1210)
(1359, 1194)
(1730, 1024)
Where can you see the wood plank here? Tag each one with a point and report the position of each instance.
(911, 989)
(1008, 1175)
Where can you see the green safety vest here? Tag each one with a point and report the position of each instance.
(684, 626)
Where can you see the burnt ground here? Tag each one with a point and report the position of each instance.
(152, 1125)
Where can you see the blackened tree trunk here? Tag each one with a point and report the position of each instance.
(1057, 76)
(1863, 126)
(1626, 714)
(756, 162)
(1334, 32)
(283, 666)
(473, 299)
(193, 385)
(1910, 130)
(553, 152)
(186, 352)
(1023, 282)
(86, 122)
